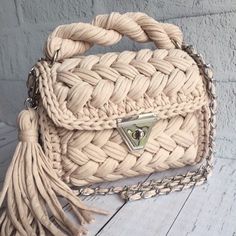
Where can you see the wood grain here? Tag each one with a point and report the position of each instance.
(8, 137)
(211, 208)
(205, 210)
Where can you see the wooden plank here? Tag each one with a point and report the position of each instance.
(147, 217)
(110, 203)
(8, 137)
(170, 214)
(113, 203)
(211, 208)
(6, 153)
(5, 128)
(8, 142)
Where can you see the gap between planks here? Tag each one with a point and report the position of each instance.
(172, 218)
(209, 209)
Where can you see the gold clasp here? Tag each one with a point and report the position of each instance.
(135, 130)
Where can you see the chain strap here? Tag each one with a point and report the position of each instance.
(32, 84)
(176, 183)
(166, 185)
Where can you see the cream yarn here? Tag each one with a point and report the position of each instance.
(81, 98)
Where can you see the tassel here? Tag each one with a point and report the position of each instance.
(31, 190)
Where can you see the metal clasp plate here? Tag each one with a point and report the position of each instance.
(135, 130)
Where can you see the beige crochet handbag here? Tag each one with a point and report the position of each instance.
(97, 118)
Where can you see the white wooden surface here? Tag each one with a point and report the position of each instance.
(205, 210)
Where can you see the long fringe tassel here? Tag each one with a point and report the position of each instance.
(31, 190)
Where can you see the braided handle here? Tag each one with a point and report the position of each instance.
(73, 39)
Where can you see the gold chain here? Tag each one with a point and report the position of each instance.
(167, 185)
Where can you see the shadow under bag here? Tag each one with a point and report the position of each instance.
(98, 118)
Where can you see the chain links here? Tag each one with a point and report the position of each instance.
(176, 183)
(32, 84)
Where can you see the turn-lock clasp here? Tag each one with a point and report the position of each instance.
(135, 130)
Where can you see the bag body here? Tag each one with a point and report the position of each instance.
(105, 117)
(94, 92)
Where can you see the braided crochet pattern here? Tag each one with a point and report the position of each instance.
(90, 93)
(68, 135)
(83, 96)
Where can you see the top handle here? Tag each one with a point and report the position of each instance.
(73, 39)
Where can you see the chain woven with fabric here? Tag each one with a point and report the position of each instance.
(69, 136)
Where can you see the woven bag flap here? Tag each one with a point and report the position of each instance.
(92, 92)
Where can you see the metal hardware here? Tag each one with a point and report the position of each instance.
(32, 84)
(135, 130)
(33, 90)
(54, 58)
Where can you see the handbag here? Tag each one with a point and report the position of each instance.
(98, 118)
